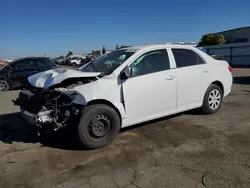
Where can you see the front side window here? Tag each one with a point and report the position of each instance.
(23, 64)
(107, 63)
(150, 62)
(185, 58)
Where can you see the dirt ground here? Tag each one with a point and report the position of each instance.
(187, 150)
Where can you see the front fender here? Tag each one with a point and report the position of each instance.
(101, 90)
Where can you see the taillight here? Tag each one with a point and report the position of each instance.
(230, 68)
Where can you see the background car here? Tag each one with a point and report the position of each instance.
(15, 74)
(62, 61)
(75, 61)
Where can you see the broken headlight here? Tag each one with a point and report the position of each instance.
(69, 92)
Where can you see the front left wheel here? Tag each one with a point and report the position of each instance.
(98, 126)
(4, 86)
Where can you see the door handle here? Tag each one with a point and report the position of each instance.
(170, 77)
(205, 71)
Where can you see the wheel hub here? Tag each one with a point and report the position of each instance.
(98, 129)
(214, 99)
(3, 86)
(99, 126)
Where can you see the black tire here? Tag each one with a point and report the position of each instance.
(88, 131)
(4, 86)
(206, 108)
(74, 64)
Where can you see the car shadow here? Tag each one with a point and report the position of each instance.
(14, 129)
(242, 80)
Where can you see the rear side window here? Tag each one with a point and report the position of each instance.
(185, 58)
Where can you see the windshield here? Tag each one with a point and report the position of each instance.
(107, 63)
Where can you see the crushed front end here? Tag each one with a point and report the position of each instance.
(49, 100)
(49, 109)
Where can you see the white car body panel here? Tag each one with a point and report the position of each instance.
(110, 92)
(221, 73)
(193, 82)
(146, 97)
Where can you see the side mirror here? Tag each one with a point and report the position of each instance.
(126, 73)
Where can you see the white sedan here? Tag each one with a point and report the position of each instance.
(125, 87)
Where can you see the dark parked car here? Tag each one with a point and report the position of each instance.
(15, 74)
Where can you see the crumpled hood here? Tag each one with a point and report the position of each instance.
(55, 76)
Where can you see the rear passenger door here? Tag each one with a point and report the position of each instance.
(193, 75)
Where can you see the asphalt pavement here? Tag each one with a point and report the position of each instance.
(186, 150)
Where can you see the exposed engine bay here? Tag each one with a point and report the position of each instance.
(50, 108)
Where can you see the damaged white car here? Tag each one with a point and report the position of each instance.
(125, 87)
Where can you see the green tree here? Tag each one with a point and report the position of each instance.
(220, 39)
(210, 39)
(93, 52)
(69, 53)
(103, 50)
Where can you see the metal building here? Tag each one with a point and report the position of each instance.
(236, 35)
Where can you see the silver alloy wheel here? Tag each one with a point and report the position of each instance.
(3, 86)
(214, 99)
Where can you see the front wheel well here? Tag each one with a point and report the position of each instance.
(108, 103)
(218, 83)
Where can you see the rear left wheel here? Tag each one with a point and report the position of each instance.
(98, 126)
(4, 86)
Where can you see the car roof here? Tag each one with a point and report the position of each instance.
(144, 47)
(24, 58)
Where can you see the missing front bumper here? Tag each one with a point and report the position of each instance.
(50, 110)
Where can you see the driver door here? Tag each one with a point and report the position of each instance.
(151, 91)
